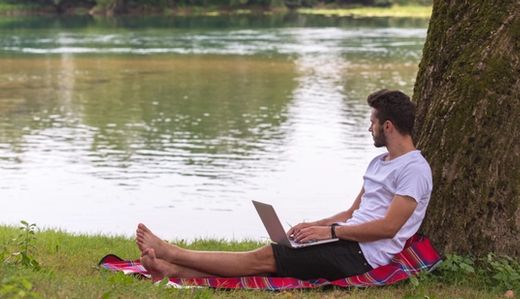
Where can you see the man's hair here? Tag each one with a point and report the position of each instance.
(394, 106)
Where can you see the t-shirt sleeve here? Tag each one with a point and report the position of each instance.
(414, 181)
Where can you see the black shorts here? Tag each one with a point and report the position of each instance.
(330, 260)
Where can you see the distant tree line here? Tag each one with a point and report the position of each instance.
(119, 6)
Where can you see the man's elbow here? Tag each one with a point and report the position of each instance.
(390, 230)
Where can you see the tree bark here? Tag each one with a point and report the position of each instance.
(468, 125)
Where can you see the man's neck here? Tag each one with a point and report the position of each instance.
(399, 147)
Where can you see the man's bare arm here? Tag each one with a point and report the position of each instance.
(398, 213)
(340, 217)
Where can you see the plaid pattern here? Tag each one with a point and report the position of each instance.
(418, 255)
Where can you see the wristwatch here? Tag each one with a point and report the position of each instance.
(333, 230)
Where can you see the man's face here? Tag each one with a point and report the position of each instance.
(378, 133)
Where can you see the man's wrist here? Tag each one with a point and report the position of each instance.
(333, 231)
(321, 222)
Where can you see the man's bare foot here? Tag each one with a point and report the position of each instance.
(145, 239)
(157, 268)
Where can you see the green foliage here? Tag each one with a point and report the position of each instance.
(17, 287)
(495, 272)
(7, 6)
(105, 3)
(23, 247)
(161, 4)
(457, 268)
(420, 279)
(504, 272)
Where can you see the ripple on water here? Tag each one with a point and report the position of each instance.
(290, 41)
(180, 138)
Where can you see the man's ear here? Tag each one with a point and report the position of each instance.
(389, 126)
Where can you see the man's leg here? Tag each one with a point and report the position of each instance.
(216, 263)
(159, 268)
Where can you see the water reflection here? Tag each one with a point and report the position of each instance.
(94, 120)
(200, 111)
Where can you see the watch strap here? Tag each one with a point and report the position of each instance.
(333, 230)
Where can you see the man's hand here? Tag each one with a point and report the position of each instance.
(312, 233)
(298, 227)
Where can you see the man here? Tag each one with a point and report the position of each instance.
(388, 210)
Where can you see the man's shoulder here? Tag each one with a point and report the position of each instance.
(415, 164)
(417, 167)
(414, 158)
(418, 160)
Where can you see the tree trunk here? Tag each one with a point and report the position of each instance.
(468, 125)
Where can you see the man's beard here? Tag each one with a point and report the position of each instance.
(380, 139)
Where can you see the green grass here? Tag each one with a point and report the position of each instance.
(68, 270)
(396, 11)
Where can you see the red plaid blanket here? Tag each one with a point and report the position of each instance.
(418, 255)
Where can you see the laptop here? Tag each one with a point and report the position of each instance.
(275, 229)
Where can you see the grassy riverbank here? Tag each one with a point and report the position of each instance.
(395, 11)
(9, 7)
(62, 265)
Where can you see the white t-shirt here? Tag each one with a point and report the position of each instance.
(406, 175)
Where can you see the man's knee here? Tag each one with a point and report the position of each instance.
(264, 258)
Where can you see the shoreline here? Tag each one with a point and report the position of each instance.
(395, 11)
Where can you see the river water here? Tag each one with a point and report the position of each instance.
(180, 122)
